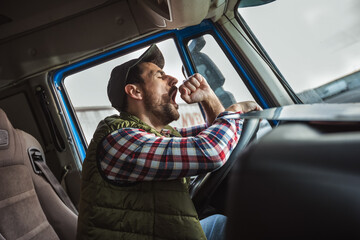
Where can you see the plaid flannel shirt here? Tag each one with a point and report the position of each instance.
(132, 154)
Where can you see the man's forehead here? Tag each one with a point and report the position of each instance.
(149, 68)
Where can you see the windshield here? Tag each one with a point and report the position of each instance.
(314, 44)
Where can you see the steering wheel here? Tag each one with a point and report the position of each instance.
(201, 192)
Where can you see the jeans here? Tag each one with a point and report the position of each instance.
(214, 227)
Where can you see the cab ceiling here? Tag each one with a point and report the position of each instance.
(36, 36)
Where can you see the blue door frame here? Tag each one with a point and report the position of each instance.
(180, 36)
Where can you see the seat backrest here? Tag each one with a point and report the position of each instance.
(29, 207)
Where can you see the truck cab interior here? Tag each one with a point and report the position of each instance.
(295, 171)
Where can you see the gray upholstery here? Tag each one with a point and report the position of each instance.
(29, 207)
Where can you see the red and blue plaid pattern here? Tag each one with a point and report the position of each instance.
(132, 154)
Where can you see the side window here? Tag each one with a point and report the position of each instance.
(87, 90)
(211, 62)
(315, 45)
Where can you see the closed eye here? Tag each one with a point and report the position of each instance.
(160, 74)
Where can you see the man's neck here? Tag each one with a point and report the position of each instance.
(150, 120)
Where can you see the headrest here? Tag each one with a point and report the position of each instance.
(5, 125)
(9, 142)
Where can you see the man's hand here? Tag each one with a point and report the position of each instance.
(244, 107)
(195, 89)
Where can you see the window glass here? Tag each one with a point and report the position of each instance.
(211, 62)
(87, 90)
(314, 44)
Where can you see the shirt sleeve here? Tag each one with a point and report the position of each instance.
(191, 131)
(132, 154)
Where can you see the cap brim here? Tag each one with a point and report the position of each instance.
(153, 55)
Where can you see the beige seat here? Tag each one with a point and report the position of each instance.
(29, 207)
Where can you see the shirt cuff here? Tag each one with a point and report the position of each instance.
(230, 115)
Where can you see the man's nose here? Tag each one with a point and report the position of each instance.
(171, 80)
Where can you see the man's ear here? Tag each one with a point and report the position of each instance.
(134, 91)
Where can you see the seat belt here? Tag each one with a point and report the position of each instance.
(1, 237)
(39, 165)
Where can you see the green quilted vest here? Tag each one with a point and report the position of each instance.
(144, 210)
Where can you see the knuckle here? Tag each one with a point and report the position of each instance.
(197, 76)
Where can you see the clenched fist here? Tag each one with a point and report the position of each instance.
(196, 89)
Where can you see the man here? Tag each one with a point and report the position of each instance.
(134, 182)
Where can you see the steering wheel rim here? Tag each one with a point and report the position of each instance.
(198, 190)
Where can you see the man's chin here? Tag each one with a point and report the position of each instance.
(176, 114)
(177, 117)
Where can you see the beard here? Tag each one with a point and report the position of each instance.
(162, 108)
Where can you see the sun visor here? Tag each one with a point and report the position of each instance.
(169, 14)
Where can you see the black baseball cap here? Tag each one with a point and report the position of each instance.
(118, 78)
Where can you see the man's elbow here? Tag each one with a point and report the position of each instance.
(218, 163)
(216, 158)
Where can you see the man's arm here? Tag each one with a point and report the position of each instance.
(241, 107)
(191, 131)
(197, 90)
(131, 154)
